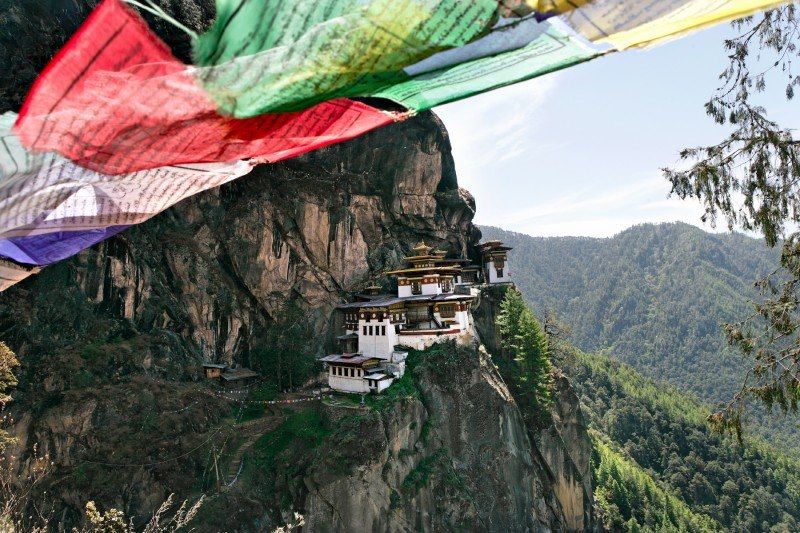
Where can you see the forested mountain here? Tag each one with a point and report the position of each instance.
(653, 296)
(658, 467)
(656, 463)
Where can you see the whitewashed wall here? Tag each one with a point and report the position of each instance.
(376, 345)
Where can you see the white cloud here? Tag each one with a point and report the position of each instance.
(501, 124)
(598, 211)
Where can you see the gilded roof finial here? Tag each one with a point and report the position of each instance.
(421, 247)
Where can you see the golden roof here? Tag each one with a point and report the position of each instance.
(420, 270)
(422, 249)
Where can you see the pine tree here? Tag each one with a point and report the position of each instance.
(286, 356)
(524, 340)
(509, 320)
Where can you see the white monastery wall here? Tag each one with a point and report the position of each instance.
(380, 339)
(348, 384)
(493, 277)
(421, 342)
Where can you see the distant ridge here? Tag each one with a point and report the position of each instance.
(653, 296)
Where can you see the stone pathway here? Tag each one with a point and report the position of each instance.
(252, 431)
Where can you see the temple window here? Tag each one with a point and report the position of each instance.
(416, 287)
(447, 311)
(499, 272)
(383, 330)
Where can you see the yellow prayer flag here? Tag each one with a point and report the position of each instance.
(640, 23)
(520, 8)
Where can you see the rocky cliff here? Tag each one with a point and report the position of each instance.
(203, 280)
(455, 456)
(111, 340)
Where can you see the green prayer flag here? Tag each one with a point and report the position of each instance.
(266, 56)
(552, 48)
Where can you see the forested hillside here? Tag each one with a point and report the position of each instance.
(654, 297)
(657, 465)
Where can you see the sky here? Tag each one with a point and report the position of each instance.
(579, 152)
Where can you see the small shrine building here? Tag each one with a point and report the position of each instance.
(495, 262)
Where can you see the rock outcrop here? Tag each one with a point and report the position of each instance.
(205, 280)
(457, 457)
(563, 444)
(566, 448)
(110, 342)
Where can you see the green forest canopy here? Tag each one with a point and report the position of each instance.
(658, 465)
(655, 297)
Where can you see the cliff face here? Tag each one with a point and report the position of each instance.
(457, 457)
(110, 342)
(202, 280)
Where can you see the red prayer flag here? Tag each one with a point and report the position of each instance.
(116, 100)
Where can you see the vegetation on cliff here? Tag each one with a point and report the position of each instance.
(285, 357)
(8, 362)
(524, 341)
